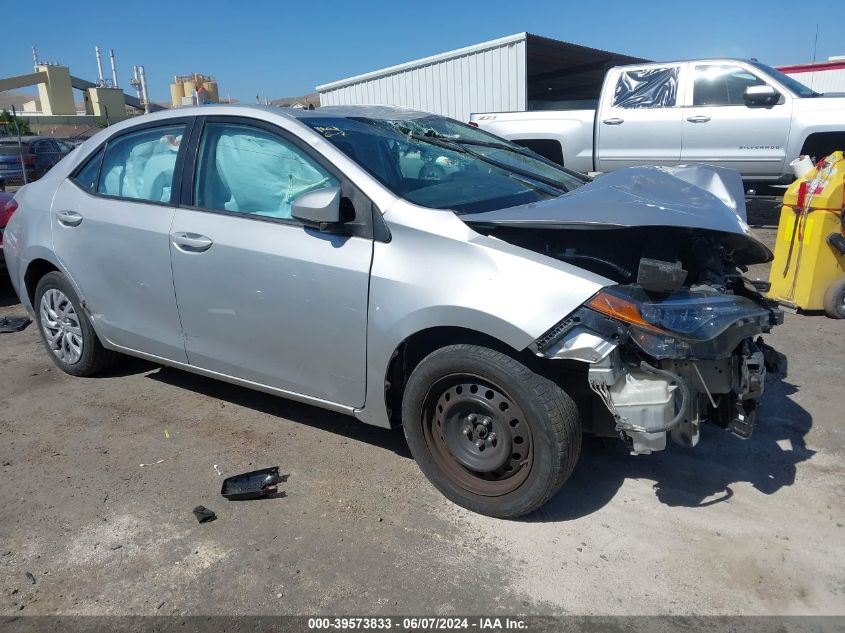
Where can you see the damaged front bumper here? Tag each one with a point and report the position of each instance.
(666, 364)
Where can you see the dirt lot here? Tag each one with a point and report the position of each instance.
(733, 526)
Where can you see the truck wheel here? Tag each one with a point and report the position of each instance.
(834, 300)
(66, 330)
(489, 433)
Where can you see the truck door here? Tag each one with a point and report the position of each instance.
(723, 127)
(639, 117)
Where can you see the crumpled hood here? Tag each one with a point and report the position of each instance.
(696, 196)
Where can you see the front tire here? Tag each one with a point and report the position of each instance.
(65, 329)
(492, 435)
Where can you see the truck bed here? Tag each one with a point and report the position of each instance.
(573, 129)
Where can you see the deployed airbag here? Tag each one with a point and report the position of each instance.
(264, 176)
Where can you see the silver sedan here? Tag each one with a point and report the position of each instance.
(405, 269)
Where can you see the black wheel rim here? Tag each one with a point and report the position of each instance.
(479, 437)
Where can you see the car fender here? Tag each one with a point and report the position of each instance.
(437, 272)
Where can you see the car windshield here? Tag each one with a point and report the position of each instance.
(439, 163)
(795, 86)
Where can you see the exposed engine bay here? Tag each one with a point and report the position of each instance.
(677, 342)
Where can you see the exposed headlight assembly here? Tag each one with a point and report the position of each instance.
(685, 323)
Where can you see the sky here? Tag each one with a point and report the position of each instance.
(286, 48)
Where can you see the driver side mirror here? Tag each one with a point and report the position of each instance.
(763, 95)
(320, 209)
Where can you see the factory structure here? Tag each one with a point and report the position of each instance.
(103, 100)
(193, 89)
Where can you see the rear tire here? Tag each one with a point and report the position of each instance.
(489, 433)
(834, 300)
(66, 330)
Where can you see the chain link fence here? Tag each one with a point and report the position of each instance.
(24, 156)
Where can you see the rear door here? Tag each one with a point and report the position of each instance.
(263, 298)
(639, 117)
(720, 129)
(111, 230)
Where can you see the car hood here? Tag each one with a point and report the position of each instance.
(695, 197)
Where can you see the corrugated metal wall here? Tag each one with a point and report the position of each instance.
(485, 80)
(822, 80)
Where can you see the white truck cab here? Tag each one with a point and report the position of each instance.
(728, 112)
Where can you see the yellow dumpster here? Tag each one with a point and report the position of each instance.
(808, 271)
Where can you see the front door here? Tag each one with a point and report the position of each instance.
(639, 119)
(263, 298)
(111, 231)
(720, 129)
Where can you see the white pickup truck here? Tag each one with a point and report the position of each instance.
(730, 112)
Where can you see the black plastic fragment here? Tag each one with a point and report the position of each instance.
(660, 276)
(13, 324)
(257, 484)
(204, 515)
(837, 241)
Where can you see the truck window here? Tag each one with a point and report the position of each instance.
(545, 147)
(722, 84)
(646, 88)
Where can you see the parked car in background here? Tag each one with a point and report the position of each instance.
(34, 155)
(7, 208)
(732, 113)
(496, 310)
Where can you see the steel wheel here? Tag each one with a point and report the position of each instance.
(478, 435)
(61, 327)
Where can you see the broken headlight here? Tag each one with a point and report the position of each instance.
(686, 323)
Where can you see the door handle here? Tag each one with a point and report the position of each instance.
(69, 218)
(613, 121)
(698, 119)
(191, 242)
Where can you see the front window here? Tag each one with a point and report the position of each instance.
(439, 163)
(791, 84)
(722, 84)
(250, 171)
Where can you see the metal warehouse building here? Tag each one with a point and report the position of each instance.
(826, 76)
(518, 72)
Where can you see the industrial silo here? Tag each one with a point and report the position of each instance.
(177, 91)
(189, 85)
(211, 88)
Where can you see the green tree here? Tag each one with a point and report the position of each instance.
(7, 125)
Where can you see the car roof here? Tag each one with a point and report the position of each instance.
(29, 138)
(366, 111)
(296, 114)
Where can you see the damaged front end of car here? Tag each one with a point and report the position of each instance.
(677, 341)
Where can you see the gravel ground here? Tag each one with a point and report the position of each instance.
(730, 527)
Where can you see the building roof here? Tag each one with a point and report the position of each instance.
(832, 64)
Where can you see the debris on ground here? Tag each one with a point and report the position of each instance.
(204, 515)
(30, 578)
(13, 324)
(257, 484)
(153, 464)
(217, 470)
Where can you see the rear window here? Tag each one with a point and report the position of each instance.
(88, 176)
(646, 88)
(140, 165)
